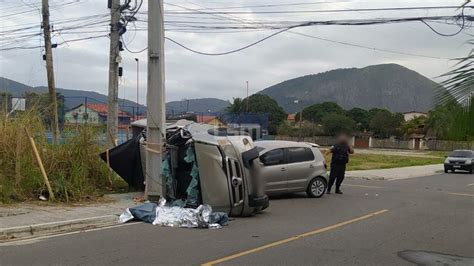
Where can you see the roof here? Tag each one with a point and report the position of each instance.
(101, 108)
(204, 118)
(273, 144)
(415, 112)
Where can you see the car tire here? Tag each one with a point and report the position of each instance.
(470, 171)
(446, 170)
(316, 187)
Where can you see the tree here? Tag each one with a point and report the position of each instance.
(236, 107)
(450, 121)
(307, 129)
(316, 112)
(334, 124)
(385, 124)
(259, 103)
(361, 117)
(416, 125)
(459, 88)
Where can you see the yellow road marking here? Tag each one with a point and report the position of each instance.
(351, 185)
(460, 194)
(280, 242)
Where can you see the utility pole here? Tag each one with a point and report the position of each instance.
(50, 72)
(138, 71)
(112, 104)
(154, 181)
(247, 109)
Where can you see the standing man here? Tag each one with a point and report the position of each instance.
(340, 157)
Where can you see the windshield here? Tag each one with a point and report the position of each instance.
(462, 154)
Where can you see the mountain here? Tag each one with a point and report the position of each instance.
(72, 98)
(76, 97)
(390, 86)
(203, 105)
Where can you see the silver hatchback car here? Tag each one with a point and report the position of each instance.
(289, 166)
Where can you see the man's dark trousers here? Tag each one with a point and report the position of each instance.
(337, 174)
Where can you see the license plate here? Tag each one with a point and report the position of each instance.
(456, 166)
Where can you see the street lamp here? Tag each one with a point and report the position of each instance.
(137, 60)
(301, 119)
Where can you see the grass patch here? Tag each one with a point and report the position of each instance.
(74, 169)
(377, 161)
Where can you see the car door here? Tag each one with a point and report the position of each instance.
(273, 169)
(300, 165)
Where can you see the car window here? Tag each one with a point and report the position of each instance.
(299, 154)
(461, 154)
(273, 157)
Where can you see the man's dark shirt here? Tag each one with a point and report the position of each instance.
(340, 154)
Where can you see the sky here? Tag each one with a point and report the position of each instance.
(83, 65)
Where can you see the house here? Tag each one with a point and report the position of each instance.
(412, 114)
(291, 118)
(210, 120)
(93, 113)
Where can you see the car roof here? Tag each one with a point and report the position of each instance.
(274, 144)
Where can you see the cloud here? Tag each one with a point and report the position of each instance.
(84, 65)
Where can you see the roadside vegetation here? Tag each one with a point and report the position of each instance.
(73, 167)
(381, 161)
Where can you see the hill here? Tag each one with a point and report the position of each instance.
(72, 98)
(390, 86)
(76, 97)
(203, 105)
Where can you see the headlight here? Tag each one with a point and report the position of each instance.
(470, 161)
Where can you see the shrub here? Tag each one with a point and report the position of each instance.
(74, 168)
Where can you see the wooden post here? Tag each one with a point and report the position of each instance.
(40, 164)
(107, 156)
(17, 159)
(114, 140)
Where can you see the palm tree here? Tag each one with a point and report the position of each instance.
(236, 106)
(459, 88)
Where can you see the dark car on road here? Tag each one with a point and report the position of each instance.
(459, 160)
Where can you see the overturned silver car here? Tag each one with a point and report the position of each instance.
(202, 165)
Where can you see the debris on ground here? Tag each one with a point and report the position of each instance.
(175, 216)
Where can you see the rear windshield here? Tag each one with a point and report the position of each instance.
(463, 154)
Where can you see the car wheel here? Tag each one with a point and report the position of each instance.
(317, 187)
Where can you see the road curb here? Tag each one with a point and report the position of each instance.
(44, 229)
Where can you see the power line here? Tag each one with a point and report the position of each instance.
(307, 24)
(323, 11)
(366, 47)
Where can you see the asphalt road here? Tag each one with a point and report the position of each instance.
(426, 220)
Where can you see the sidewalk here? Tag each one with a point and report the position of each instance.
(26, 220)
(396, 173)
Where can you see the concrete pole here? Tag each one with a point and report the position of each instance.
(112, 104)
(138, 78)
(247, 100)
(50, 72)
(155, 102)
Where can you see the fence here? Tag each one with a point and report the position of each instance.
(447, 145)
(320, 140)
(435, 145)
(390, 144)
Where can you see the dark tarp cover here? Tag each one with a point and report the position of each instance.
(125, 160)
